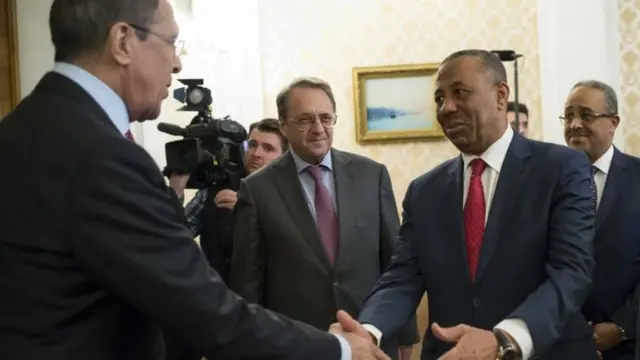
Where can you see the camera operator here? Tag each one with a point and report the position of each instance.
(209, 213)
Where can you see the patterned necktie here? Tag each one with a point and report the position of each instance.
(594, 171)
(129, 135)
(474, 216)
(326, 218)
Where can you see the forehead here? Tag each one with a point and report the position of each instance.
(309, 99)
(264, 137)
(585, 97)
(463, 70)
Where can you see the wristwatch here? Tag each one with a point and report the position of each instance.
(622, 332)
(507, 350)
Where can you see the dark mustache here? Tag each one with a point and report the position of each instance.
(578, 133)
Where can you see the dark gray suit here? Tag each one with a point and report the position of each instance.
(278, 257)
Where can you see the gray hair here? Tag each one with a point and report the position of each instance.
(304, 82)
(610, 98)
(81, 27)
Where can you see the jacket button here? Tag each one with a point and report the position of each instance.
(477, 303)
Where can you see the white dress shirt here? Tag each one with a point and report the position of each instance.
(494, 157)
(602, 164)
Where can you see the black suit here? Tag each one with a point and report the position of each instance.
(615, 293)
(535, 261)
(94, 255)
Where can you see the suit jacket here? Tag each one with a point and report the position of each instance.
(278, 258)
(94, 256)
(535, 261)
(615, 293)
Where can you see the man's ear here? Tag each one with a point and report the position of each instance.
(120, 42)
(502, 95)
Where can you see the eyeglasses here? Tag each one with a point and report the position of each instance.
(306, 121)
(178, 45)
(587, 117)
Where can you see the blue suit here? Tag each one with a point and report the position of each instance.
(615, 292)
(535, 262)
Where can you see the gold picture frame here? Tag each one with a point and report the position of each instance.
(10, 75)
(408, 114)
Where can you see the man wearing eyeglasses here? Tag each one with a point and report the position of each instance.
(590, 120)
(316, 227)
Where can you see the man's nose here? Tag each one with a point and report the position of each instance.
(448, 106)
(177, 66)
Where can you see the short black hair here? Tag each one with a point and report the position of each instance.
(270, 125)
(81, 27)
(520, 108)
(490, 61)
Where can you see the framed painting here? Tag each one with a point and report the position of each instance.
(395, 103)
(9, 71)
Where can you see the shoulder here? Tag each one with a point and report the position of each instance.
(360, 161)
(629, 160)
(548, 155)
(436, 174)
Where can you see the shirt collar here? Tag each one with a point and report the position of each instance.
(496, 153)
(604, 162)
(301, 165)
(108, 100)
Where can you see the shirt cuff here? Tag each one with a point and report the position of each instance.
(519, 331)
(345, 348)
(377, 334)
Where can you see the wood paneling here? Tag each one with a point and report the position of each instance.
(9, 72)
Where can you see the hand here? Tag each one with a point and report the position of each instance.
(226, 199)
(471, 343)
(363, 349)
(404, 353)
(607, 335)
(358, 337)
(347, 324)
(178, 183)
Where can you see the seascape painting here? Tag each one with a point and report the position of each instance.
(399, 103)
(395, 103)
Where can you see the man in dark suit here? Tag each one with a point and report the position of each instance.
(94, 255)
(590, 120)
(506, 270)
(329, 238)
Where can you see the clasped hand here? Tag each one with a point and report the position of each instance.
(362, 348)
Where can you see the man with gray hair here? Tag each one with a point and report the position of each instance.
(590, 120)
(315, 228)
(94, 255)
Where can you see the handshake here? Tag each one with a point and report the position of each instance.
(361, 342)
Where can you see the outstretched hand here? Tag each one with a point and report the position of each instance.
(362, 348)
(347, 324)
(471, 343)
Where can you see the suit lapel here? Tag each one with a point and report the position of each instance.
(344, 186)
(510, 180)
(616, 179)
(451, 210)
(290, 189)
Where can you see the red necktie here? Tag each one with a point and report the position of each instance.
(474, 216)
(129, 135)
(326, 218)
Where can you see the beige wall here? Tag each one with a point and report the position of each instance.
(630, 96)
(326, 39)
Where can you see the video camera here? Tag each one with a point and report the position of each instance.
(211, 150)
